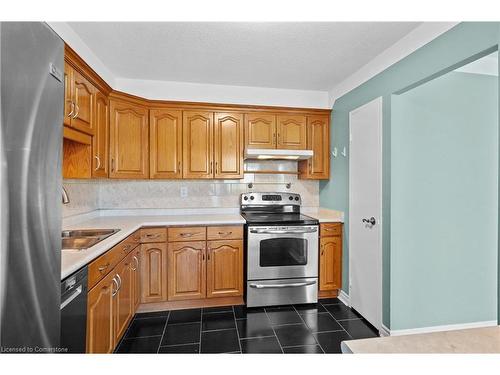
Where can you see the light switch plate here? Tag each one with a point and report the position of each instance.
(184, 192)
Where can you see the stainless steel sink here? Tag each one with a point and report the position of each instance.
(82, 239)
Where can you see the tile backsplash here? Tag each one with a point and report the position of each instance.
(89, 195)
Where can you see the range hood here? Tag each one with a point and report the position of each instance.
(277, 154)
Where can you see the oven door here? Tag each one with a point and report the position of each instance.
(280, 252)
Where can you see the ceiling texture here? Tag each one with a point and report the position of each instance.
(303, 56)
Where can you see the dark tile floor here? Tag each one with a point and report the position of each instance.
(315, 328)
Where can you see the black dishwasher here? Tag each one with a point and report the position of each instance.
(74, 312)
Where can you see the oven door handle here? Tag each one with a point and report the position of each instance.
(290, 285)
(276, 231)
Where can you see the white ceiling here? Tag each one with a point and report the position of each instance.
(302, 56)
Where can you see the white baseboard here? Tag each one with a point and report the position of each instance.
(451, 327)
(384, 331)
(344, 298)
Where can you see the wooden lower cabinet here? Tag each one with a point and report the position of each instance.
(224, 268)
(153, 272)
(186, 270)
(124, 298)
(330, 264)
(136, 269)
(100, 316)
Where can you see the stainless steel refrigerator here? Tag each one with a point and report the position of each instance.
(32, 100)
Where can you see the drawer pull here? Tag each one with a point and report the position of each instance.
(102, 268)
(152, 235)
(187, 234)
(291, 285)
(225, 233)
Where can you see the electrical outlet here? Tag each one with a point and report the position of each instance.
(184, 192)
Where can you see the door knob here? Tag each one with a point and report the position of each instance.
(371, 221)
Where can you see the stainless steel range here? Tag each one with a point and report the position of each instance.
(281, 250)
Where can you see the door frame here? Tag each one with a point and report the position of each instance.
(379, 101)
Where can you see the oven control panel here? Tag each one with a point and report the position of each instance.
(281, 199)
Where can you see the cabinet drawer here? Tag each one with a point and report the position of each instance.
(106, 262)
(330, 229)
(153, 235)
(187, 234)
(225, 233)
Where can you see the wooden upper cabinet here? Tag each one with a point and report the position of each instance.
(129, 142)
(225, 268)
(318, 140)
(197, 128)
(83, 98)
(165, 143)
(186, 270)
(153, 272)
(228, 153)
(100, 316)
(260, 130)
(330, 263)
(291, 132)
(100, 141)
(79, 101)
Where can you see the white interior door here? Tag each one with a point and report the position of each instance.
(365, 211)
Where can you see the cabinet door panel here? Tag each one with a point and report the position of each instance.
(100, 312)
(100, 141)
(136, 268)
(260, 130)
(83, 97)
(225, 268)
(318, 140)
(228, 145)
(197, 145)
(186, 270)
(153, 272)
(291, 132)
(129, 143)
(165, 143)
(124, 299)
(330, 263)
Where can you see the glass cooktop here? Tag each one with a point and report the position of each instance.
(278, 218)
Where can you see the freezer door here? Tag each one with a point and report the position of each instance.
(32, 98)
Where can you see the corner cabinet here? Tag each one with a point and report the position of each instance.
(165, 143)
(129, 141)
(318, 140)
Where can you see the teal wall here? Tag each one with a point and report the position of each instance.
(444, 202)
(466, 41)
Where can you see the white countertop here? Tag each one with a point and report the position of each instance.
(324, 215)
(128, 221)
(473, 340)
(72, 260)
